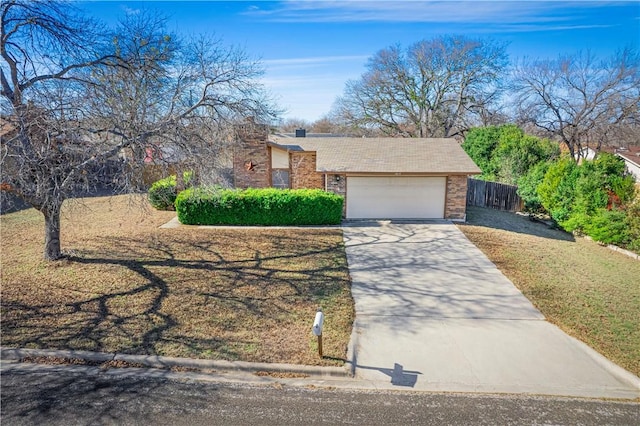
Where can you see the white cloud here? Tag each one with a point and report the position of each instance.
(130, 11)
(497, 13)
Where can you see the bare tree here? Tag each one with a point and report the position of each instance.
(44, 45)
(180, 99)
(580, 100)
(323, 125)
(290, 125)
(435, 88)
(73, 100)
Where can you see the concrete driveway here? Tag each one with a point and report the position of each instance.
(433, 313)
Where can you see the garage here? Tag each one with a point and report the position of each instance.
(396, 197)
(378, 178)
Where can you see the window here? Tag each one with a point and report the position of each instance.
(280, 178)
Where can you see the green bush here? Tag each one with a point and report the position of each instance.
(268, 206)
(608, 227)
(517, 153)
(505, 153)
(557, 190)
(633, 223)
(480, 144)
(593, 198)
(162, 194)
(528, 187)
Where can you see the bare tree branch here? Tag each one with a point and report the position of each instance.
(435, 88)
(579, 99)
(82, 109)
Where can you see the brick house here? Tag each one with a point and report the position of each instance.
(382, 178)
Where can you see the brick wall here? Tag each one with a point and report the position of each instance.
(456, 205)
(338, 184)
(251, 162)
(303, 171)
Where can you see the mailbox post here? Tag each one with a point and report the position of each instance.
(317, 329)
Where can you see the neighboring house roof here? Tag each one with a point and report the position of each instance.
(631, 157)
(384, 155)
(586, 154)
(631, 154)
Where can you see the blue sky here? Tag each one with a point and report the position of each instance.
(311, 48)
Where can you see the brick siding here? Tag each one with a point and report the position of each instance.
(338, 185)
(456, 204)
(303, 171)
(251, 161)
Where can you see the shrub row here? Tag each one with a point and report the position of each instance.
(595, 198)
(268, 206)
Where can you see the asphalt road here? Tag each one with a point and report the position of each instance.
(46, 395)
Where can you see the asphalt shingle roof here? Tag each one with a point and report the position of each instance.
(384, 155)
(631, 154)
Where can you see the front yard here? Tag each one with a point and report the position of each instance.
(251, 295)
(133, 288)
(589, 291)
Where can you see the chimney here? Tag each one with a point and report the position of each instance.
(301, 133)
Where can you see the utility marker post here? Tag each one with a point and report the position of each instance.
(317, 329)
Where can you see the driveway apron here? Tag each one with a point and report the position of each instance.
(433, 313)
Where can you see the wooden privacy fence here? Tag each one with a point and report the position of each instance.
(494, 195)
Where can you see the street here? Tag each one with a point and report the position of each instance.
(81, 395)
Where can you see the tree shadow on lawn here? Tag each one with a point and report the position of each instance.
(186, 298)
(507, 221)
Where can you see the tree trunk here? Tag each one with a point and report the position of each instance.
(52, 249)
(180, 183)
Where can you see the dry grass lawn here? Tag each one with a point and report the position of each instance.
(589, 291)
(131, 287)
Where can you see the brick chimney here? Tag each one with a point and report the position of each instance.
(251, 162)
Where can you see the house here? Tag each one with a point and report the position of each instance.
(631, 157)
(586, 154)
(381, 178)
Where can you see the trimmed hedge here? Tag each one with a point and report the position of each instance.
(268, 206)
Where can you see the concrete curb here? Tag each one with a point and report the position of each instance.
(611, 367)
(152, 361)
(614, 248)
(352, 350)
(18, 353)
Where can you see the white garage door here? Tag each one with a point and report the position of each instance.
(394, 197)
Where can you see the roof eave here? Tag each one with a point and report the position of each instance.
(401, 173)
(630, 160)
